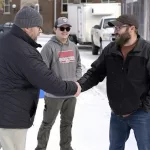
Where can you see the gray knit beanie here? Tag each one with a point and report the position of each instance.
(28, 17)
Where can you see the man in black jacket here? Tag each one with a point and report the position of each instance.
(22, 74)
(126, 65)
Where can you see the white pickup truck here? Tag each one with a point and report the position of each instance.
(84, 16)
(101, 35)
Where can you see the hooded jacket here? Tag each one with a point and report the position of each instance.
(63, 59)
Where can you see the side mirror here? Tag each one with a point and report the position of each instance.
(97, 26)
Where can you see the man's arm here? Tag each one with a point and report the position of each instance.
(95, 74)
(37, 73)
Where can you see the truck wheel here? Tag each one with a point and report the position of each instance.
(101, 47)
(95, 50)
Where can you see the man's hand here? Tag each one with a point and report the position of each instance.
(78, 90)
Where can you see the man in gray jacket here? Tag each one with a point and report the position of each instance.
(62, 56)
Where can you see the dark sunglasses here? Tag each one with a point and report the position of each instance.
(63, 29)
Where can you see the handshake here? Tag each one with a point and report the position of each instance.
(78, 90)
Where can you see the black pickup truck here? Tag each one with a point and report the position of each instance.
(5, 27)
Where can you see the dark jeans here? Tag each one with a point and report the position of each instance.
(52, 107)
(120, 129)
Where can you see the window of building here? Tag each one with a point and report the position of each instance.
(64, 4)
(6, 6)
(109, 1)
(64, 7)
(70, 1)
(1, 5)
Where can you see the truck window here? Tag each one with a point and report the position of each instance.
(105, 25)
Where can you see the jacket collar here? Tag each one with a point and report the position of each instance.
(139, 45)
(22, 35)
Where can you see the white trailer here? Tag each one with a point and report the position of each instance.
(84, 16)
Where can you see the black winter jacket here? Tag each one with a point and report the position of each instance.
(128, 82)
(22, 74)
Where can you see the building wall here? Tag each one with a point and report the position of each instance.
(46, 10)
(141, 10)
(10, 17)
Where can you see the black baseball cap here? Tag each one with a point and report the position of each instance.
(124, 19)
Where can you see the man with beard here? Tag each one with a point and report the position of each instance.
(126, 64)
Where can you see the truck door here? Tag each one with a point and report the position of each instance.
(80, 23)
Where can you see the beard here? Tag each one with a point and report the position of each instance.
(123, 38)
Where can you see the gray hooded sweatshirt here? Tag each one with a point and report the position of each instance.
(63, 59)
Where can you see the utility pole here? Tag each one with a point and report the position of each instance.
(146, 20)
(55, 10)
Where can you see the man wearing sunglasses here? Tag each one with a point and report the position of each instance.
(62, 56)
(126, 65)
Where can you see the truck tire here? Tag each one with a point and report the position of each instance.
(101, 47)
(95, 50)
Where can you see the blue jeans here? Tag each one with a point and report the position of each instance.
(120, 129)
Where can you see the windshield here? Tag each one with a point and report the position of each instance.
(105, 25)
